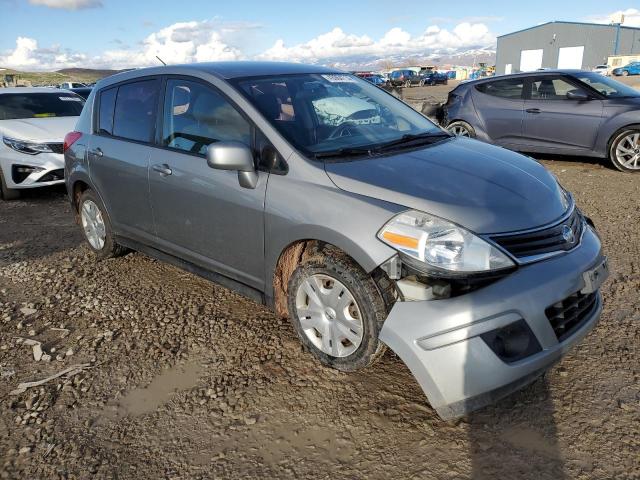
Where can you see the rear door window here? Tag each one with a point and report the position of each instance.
(107, 105)
(509, 88)
(135, 110)
(550, 88)
(196, 116)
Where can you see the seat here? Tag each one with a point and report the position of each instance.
(546, 89)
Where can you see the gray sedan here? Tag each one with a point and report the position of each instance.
(568, 112)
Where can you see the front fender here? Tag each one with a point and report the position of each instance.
(297, 210)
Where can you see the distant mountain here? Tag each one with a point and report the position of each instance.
(445, 59)
(88, 72)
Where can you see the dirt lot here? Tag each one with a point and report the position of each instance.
(188, 380)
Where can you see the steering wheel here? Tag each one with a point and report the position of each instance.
(342, 130)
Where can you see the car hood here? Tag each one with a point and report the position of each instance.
(484, 188)
(51, 129)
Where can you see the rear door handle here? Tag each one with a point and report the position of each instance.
(163, 169)
(532, 110)
(97, 152)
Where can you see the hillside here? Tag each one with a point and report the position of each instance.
(84, 75)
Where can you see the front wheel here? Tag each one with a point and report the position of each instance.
(624, 151)
(625, 73)
(407, 84)
(461, 129)
(7, 193)
(337, 311)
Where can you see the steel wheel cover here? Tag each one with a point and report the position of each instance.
(329, 315)
(628, 151)
(93, 224)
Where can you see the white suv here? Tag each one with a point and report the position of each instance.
(33, 123)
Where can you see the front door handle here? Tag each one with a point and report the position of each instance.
(532, 110)
(163, 169)
(96, 152)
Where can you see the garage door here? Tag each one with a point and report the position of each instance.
(530, 60)
(570, 57)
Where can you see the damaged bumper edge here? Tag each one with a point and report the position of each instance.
(440, 340)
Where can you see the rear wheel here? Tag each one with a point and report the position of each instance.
(337, 311)
(407, 84)
(7, 193)
(96, 226)
(624, 151)
(461, 129)
(625, 73)
(421, 83)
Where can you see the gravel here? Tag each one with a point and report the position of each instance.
(186, 379)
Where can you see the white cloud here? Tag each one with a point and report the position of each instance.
(631, 17)
(337, 44)
(211, 40)
(183, 42)
(67, 4)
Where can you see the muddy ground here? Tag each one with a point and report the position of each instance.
(184, 379)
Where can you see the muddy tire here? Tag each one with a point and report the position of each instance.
(7, 193)
(96, 227)
(337, 310)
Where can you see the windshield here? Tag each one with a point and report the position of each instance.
(321, 113)
(607, 86)
(39, 105)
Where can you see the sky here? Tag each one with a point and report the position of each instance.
(54, 34)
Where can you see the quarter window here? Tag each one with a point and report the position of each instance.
(107, 104)
(511, 88)
(196, 116)
(135, 110)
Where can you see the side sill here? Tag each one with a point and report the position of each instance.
(238, 287)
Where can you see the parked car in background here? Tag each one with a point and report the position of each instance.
(376, 80)
(82, 91)
(33, 123)
(69, 85)
(632, 68)
(434, 78)
(601, 69)
(316, 193)
(569, 112)
(404, 78)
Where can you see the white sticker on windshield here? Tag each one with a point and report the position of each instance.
(70, 99)
(337, 78)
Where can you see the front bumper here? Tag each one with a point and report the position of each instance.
(50, 168)
(440, 341)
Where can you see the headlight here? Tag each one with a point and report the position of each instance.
(435, 244)
(23, 146)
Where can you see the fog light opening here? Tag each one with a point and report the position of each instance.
(512, 342)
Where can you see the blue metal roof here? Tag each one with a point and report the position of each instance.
(608, 25)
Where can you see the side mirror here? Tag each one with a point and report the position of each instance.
(577, 95)
(234, 156)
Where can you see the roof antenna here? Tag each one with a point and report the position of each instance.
(161, 61)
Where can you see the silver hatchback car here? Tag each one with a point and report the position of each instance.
(318, 194)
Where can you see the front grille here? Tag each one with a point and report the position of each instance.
(550, 239)
(55, 147)
(569, 314)
(52, 176)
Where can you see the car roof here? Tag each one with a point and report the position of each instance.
(223, 70)
(564, 71)
(31, 90)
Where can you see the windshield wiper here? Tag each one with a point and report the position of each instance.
(345, 152)
(414, 138)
